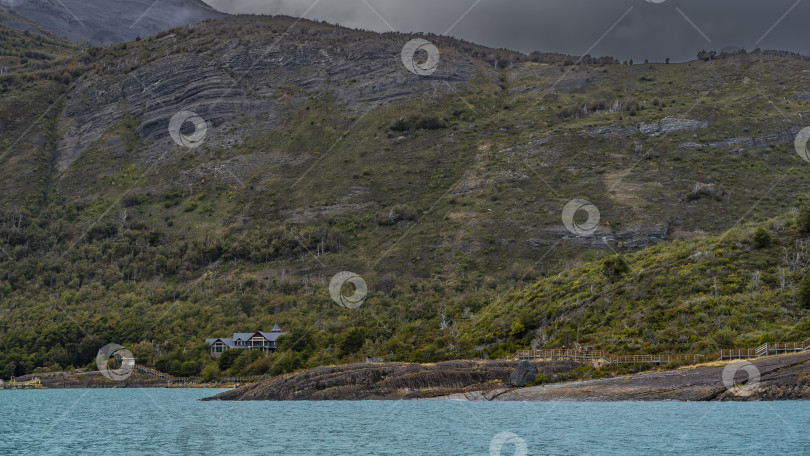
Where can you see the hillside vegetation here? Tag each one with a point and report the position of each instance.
(741, 289)
(445, 193)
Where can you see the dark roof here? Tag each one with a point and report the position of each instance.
(271, 336)
(227, 341)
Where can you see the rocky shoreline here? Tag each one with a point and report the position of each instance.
(784, 377)
(387, 381)
(85, 378)
(780, 378)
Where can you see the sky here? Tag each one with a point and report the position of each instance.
(625, 29)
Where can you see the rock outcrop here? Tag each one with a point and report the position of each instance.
(84, 378)
(741, 143)
(392, 381)
(671, 124)
(262, 78)
(782, 377)
(604, 238)
(778, 378)
(524, 373)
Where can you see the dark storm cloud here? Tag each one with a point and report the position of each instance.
(636, 29)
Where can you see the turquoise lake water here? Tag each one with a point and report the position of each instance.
(175, 422)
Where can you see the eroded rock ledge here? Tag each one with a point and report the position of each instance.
(389, 381)
(781, 378)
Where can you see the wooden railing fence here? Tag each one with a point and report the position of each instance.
(588, 355)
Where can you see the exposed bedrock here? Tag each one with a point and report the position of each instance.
(262, 80)
(389, 381)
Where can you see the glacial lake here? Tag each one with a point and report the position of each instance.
(175, 422)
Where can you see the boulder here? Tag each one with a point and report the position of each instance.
(523, 374)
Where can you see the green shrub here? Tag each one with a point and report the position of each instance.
(418, 122)
(210, 373)
(724, 338)
(353, 341)
(803, 220)
(286, 362)
(762, 238)
(190, 368)
(615, 267)
(803, 293)
(517, 329)
(538, 380)
(298, 340)
(226, 359)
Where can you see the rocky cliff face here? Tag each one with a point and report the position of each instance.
(261, 77)
(102, 22)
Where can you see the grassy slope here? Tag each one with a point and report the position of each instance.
(216, 256)
(690, 296)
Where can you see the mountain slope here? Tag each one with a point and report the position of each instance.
(106, 22)
(741, 289)
(323, 153)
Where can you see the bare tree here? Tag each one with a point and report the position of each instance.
(122, 219)
(445, 323)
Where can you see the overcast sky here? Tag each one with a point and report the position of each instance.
(636, 29)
